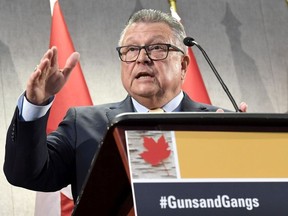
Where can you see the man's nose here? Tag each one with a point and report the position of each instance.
(143, 56)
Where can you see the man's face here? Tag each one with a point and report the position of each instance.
(150, 81)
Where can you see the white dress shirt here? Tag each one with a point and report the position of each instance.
(30, 112)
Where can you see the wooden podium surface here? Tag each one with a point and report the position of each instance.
(107, 190)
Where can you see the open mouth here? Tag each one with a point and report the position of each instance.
(143, 75)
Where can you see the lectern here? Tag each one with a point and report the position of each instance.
(108, 189)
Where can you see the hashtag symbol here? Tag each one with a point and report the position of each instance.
(163, 202)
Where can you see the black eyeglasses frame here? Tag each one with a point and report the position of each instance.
(170, 47)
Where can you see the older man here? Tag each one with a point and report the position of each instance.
(153, 67)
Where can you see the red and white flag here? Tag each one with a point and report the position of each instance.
(74, 93)
(193, 85)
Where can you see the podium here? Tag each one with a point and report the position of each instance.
(108, 187)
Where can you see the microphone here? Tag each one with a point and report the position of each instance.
(189, 41)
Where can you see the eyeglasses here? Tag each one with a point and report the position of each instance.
(154, 52)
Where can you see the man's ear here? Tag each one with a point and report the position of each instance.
(184, 65)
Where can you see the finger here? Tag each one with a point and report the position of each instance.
(47, 54)
(72, 60)
(49, 63)
(54, 58)
(71, 63)
(243, 107)
(43, 62)
(35, 76)
(43, 68)
(47, 69)
(220, 111)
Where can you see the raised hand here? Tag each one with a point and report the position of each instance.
(48, 78)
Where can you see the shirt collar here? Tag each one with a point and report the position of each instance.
(171, 106)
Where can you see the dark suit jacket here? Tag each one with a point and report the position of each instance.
(41, 163)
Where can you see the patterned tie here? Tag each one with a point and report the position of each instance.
(156, 110)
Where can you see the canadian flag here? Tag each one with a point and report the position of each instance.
(59, 203)
(74, 93)
(193, 85)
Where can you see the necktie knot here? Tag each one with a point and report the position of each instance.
(156, 110)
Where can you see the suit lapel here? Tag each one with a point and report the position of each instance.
(188, 105)
(118, 108)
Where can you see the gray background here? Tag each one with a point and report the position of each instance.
(246, 40)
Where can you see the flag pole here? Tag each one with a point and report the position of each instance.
(193, 85)
(172, 4)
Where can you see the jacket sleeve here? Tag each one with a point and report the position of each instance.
(31, 160)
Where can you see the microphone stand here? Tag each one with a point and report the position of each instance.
(193, 42)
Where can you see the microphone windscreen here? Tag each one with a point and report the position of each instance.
(189, 41)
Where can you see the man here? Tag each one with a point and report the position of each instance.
(153, 67)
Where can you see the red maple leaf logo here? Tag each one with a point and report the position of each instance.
(157, 151)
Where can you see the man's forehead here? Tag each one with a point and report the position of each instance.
(149, 25)
(157, 31)
(157, 37)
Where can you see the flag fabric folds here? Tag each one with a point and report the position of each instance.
(74, 93)
(59, 203)
(193, 85)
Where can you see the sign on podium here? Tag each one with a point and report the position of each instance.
(190, 164)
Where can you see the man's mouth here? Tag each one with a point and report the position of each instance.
(143, 75)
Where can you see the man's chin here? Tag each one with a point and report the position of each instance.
(143, 94)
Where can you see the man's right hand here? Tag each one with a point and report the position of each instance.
(48, 79)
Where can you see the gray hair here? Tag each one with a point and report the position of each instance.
(156, 16)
